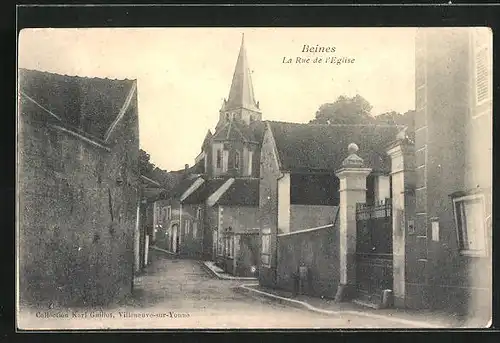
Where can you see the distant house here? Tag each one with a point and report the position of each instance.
(151, 190)
(232, 212)
(299, 189)
(171, 213)
(78, 184)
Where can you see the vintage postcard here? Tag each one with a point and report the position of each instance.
(241, 178)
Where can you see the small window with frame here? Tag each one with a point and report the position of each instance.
(470, 221)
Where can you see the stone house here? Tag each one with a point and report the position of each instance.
(299, 191)
(448, 238)
(78, 185)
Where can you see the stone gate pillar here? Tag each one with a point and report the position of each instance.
(402, 155)
(352, 178)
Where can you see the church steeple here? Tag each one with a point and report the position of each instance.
(241, 101)
(241, 92)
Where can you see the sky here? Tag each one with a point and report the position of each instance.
(183, 74)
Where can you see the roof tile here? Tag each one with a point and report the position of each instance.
(324, 147)
(88, 104)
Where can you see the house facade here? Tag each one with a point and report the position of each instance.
(78, 188)
(178, 221)
(450, 264)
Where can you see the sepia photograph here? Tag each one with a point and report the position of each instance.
(254, 178)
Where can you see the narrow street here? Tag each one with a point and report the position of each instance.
(184, 287)
(180, 294)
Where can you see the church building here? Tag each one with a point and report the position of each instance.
(223, 199)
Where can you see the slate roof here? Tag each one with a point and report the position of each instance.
(236, 130)
(311, 147)
(258, 127)
(243, 192)
(182, 186)
(204, 191)
(241, 94)
(89, 105)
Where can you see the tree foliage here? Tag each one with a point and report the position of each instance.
(148, 169)
(345, 110)
(145, 165)
(395, 118)
(357, 110)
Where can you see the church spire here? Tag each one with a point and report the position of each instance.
(241, 92)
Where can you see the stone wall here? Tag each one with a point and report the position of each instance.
(309, 216)
(240, 218)
(77, 212)
(317, 250)
(268, 204)
(247, 254)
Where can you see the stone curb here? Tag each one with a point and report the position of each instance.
(224, 277)
(248, 288)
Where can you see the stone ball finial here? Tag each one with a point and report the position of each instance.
(352, 160)
(352, 148)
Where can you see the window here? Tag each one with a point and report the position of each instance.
(482, 58)
(198, 213)
(187, 225)
(236, 160)
(169, 212)
(195, 229)
(250, 162)
(162, 214)
(219, 158)
(470, 224)
(266, 247)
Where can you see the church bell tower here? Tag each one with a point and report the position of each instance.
(240, 104)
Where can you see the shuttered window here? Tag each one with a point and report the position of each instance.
(482, 59)
(470, 223)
